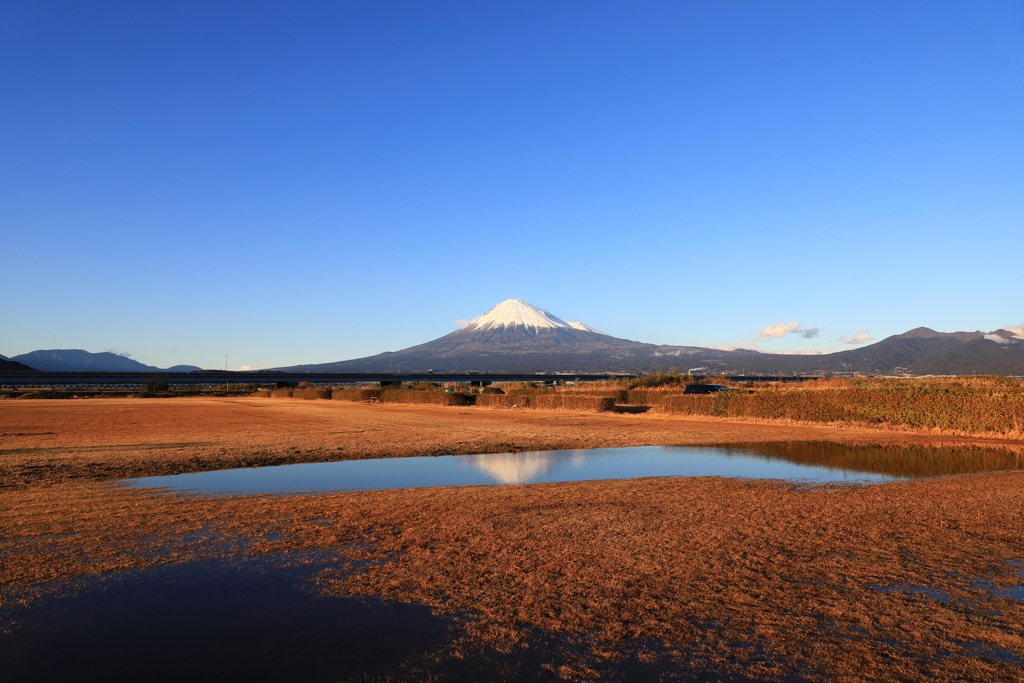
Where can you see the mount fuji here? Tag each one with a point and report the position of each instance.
(515, 337)
(511, 337)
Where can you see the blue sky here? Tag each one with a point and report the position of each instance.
(309, 182)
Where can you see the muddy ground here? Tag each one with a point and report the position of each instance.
(756, 578)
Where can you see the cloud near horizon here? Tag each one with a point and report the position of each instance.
(779, 330)
(1015, 340)
(774, 331)
(462, 322)
(859, 337)
(807, 352)
(733, 347)
(784, 352)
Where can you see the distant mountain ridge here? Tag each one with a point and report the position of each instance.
(79, 360)
(8, 366)
(517, 337)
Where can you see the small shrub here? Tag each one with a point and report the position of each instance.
(43, 394)
(657, 379)
(157, 383)
(492, 390)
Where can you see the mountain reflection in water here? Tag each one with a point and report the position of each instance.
(522, 468)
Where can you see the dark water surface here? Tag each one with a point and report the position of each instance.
(261, 620)
(816, 462)
(211, 620)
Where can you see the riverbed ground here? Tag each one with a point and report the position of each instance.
(708, 577)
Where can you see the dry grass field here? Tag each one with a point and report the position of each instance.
(755, 578)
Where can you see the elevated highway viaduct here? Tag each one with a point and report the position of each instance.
(112, 380)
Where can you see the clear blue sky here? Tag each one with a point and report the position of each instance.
(309, 182)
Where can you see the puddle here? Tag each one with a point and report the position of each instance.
(815, 462)
(213, 620)
(261, 619)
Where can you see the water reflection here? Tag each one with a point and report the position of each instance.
(817, 462)
(522, 468)
(898, 461)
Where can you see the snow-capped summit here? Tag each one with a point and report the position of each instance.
(516, 313)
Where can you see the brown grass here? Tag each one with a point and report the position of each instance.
(685, 567)
(692, 567)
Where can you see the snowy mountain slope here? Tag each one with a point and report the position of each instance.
(515, 313)
(518, 313)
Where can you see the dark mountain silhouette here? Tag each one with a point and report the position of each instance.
(977, 357)
(516, 337)
(7, 365)
(78, 360)
(898, 353)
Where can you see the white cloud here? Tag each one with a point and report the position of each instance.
(245, 368)
(860, 337)
(807, 352)
(462, 322)
(779, 330)
(1008, 341)
(1018, 331)
(747, 346)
